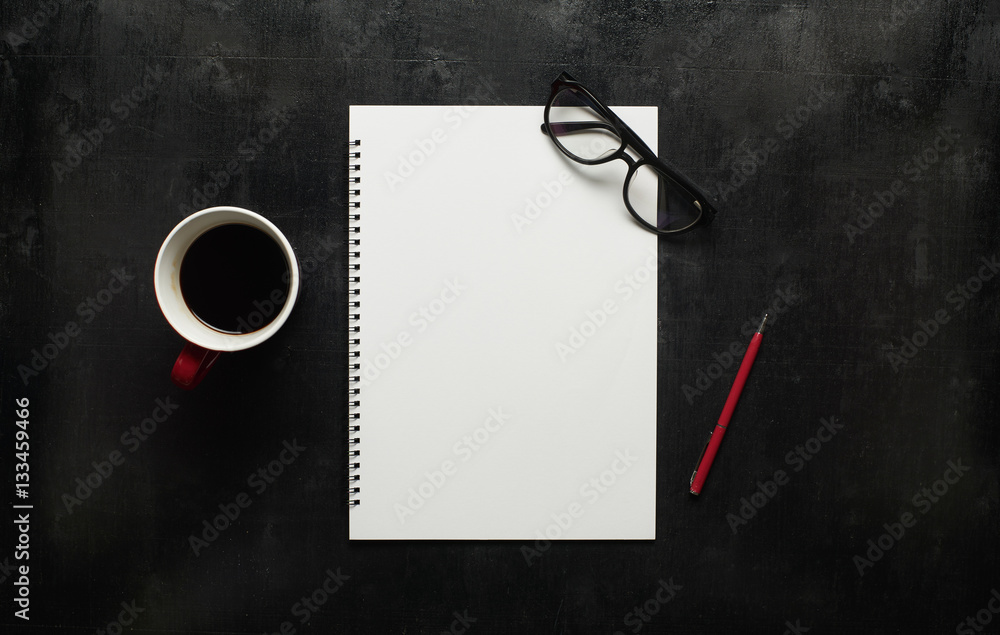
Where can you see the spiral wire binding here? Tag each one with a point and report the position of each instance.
(354, 323)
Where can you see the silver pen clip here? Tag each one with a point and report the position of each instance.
(701, 456)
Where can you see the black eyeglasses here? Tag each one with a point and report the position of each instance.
(659, 197)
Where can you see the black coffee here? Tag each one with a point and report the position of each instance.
(234, 278)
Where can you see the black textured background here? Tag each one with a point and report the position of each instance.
(882, 79)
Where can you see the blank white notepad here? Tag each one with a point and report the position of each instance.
(503, 368)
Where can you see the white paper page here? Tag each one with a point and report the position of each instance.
(508, 332)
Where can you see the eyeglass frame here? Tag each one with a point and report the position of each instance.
(646, 157)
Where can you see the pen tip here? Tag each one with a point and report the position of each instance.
(762, 323)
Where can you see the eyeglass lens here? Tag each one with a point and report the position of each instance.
(659, 201)
(581, 131)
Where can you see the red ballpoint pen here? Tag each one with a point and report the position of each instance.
(715, 440)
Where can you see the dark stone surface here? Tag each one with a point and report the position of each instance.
(179, 93)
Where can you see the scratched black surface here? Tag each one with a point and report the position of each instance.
(871, 88)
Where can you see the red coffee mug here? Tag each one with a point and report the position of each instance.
(204, 343)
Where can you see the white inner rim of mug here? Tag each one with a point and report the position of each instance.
(166, 279)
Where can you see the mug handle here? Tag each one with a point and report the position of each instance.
(192, 365)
